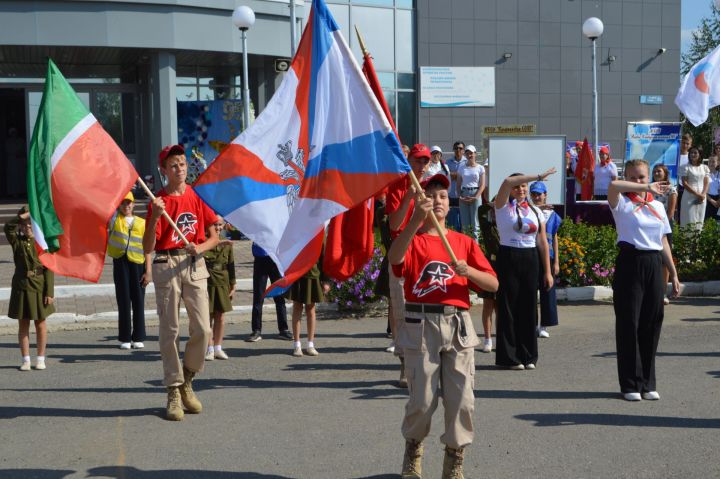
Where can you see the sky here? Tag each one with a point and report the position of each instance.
(691, 12)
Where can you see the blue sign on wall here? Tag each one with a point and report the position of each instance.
(651, 99)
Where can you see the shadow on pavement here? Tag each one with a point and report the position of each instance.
(515, 394)
(381, 476)
(709, 354)
(114, 390)
(25, 411)
(714, 373)
(701, 320)
(130, 355)
(123, 472)
(305, 366)
(35, 473)
(620, 420)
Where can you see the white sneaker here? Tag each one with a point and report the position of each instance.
(210, 355)
(487, 346)
(391, 348)
(40, 364)
(666, 300)
(651, 395)
(138, 345)
(632, 396)
(530, 366)
(125, 345)
(542, 333)
(220, 354)
(25, 366)
(517, 367)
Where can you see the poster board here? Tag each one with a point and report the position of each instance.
(454, 87)
(655, 142)
(529, 155)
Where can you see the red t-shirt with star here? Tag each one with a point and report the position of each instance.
(190, 214)
(396, 193)
(428, 272)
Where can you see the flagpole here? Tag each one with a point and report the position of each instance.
(164, 213)
(413, 179)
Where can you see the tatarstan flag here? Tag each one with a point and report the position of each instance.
(77, 176)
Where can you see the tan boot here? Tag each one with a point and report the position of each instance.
(412, 462)
(402, 382)
(453, 464)
(174, 411)
(189, 399)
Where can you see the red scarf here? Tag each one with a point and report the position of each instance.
(604, 162)
(640, 203)
(522, 205)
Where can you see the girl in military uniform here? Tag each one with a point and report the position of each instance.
(306, 291)
(221, 287)
(31, 296)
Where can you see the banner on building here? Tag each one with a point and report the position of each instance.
(205, 128)
(654, 143)
(452, 87)
(509, 130)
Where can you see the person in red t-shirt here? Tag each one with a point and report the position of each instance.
(399, 208)
(179, 272)
(438, 337)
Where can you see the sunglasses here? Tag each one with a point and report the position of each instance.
(458, 148)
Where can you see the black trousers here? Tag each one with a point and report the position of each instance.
(263, 269)
(638, 291)
(130, 296)
(518, 270)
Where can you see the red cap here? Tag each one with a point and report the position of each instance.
(437, 178)
(578, 143)
(419, 151)
(170, 150)
(605, 149)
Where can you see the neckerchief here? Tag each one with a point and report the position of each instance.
(640, 203)
(523, 205)
(604, 162)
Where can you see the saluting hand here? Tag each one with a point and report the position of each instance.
(547, 173)
(660, 187)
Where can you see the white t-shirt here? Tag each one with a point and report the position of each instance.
(683, 161)
(506, 219)
(471, 176)
(603, 177)
(434, 169)
(640, 228)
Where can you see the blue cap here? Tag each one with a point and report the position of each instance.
(538, 187)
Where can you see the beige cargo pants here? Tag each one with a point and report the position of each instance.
(179, 277)
(439, 356)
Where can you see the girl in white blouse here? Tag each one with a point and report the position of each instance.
(695, 178)
(521, 227)
(638, 284)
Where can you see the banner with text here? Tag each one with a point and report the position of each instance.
(654, 143)
(450, 87)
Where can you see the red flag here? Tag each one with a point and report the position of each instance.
(585, 172)
(350, 239)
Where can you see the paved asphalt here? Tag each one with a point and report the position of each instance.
(98, 411)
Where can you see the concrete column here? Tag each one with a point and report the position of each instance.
(164, 104)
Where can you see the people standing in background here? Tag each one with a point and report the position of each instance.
(686, 142)
(471, 184)
(713, 196)
(458, 158)
(638, 286)
(522, 233)
(264, 268)
(437, 164)
(132, 272)
(220, 262)
(605, 172)
(32, 288)
(660, 173)
(548, 298)
(695, 179)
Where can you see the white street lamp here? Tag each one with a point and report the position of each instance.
(243, 17)
(593, 28)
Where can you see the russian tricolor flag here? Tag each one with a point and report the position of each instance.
(321, 146)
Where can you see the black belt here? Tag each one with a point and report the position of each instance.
(433, 308)
(172, 252)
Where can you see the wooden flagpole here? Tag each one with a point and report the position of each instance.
(413, 179)
(164, 213)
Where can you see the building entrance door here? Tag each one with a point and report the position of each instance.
(13, 154)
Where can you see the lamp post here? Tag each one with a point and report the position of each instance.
(593, 28)
(243, 17)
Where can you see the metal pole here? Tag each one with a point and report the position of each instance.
(293, 35)
(596, 147)
(246, 89)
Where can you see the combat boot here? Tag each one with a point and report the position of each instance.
(189, 399)
(174, 411)
(412, 462)
(453, 464)
(402, 382)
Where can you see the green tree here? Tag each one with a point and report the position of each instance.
(704, 39)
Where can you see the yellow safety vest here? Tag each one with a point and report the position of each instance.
(123, 242)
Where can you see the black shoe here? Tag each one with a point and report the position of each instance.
(254, 337)
(285, 335)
